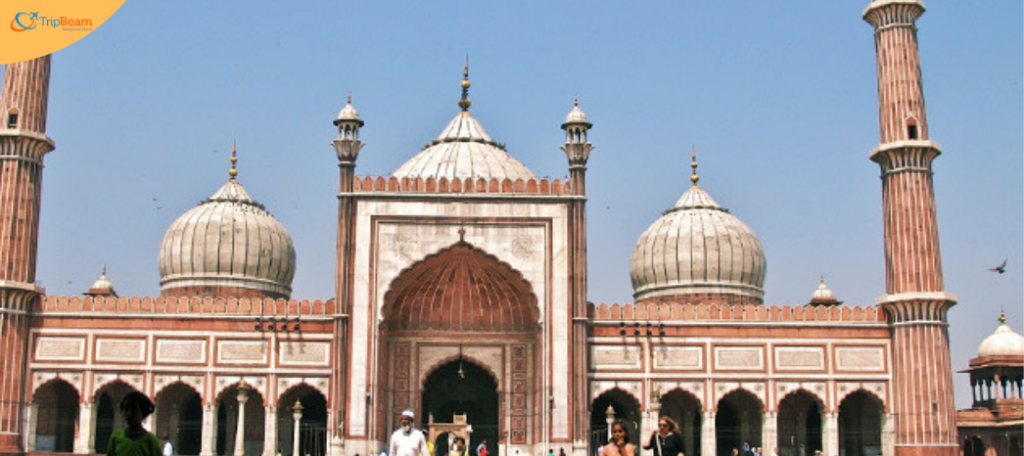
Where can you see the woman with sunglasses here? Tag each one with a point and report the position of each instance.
(666, 441)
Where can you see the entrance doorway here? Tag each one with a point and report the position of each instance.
(463, 387)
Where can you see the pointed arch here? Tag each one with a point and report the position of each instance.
(686, 409)
(860, 423)
(56, 403)
(312, 422)
(800, 423)
(461, 288)
(108, 398)
(179, 417)
(626, 407)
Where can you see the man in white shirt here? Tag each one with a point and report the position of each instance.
(168, 449)
(407, 441)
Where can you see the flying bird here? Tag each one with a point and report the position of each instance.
(1000, 269)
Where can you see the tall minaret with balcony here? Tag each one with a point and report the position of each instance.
(915, 303)
(577, 151)
(347, 146)
(23, 143)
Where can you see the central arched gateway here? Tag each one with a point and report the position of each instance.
(460, 330)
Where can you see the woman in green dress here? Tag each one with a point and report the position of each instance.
(134, 440)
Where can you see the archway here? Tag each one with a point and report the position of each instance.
(56, 413)
(463, 387)
(312, 425)
(108, 417)
(737, 421)
(974, 446)
(685, 409)
(179, 418)
(626, 407)
(860, 424)
(227, 421)
(799, 424)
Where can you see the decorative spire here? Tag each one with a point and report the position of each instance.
(464, 103)
(234, 159)
(576, 101)
(348, 99)
(693, 165)
(1002, 315)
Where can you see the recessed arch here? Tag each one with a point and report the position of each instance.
(179, 417)
(461, 288)
(799, 423)
(56, 403)
(228, 416)
(462, 386)
(108, 418)
(686, 409)
(860, 423)
(738, 421)
(312, 422)
(483, 365)
(626, 407)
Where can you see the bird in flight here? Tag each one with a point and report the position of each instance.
(1000, 269)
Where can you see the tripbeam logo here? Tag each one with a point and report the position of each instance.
(24, 21)
(34, 28)
(29, 21)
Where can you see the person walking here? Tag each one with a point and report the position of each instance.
(134, 440)
(406, 440)
(666, 441)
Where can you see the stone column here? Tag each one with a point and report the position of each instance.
(769, 431)
(830, 435)
(243, 397)
(888, 433)
(86, 429)
(209, 435)
(270, 426)
(297, 415)
(707, 434)
(648, 424)
(33, 422)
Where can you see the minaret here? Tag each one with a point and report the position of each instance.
(347, 145)
(577, 151)
(915, 303)
(23, 143)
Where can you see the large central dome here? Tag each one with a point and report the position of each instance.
(464, 150)
(698, 251)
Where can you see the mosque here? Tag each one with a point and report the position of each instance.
(460, 293)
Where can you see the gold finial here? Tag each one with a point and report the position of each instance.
(576, 100)
(693, 165)
(348, 100)
(234, 159)
(464, 103)
(1002, 315)
(104, 273)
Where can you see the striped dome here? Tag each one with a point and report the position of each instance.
(464, 150)
(228, 241)
(697, 247)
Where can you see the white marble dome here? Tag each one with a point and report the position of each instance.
(464, 150)
(229, 241)
(1003, 342)
(697, 247)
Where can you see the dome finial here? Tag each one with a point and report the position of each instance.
(464, 103)
(693, 165)
(348, 99)
(1002, 315)
(234, 159)
(576, 101)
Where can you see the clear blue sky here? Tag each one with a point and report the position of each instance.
(779, 99)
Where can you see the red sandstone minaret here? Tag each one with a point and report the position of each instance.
(577, 151)
(915, 302)
(23, 143)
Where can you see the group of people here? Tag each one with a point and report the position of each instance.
(409, 441)
(754, 451)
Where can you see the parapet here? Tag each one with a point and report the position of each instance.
(545, 187)
(185, 305)
(749, 313)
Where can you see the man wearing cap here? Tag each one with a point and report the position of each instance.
(407, 441)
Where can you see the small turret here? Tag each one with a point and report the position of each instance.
(102, 286)
(576, 147)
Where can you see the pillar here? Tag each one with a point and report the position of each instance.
(707, 434)
(84, 441)
(243, 397)
(769, 430)
(297, 416)
(209, 435)
(830, 437)
(32, 419)
(270, 426)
